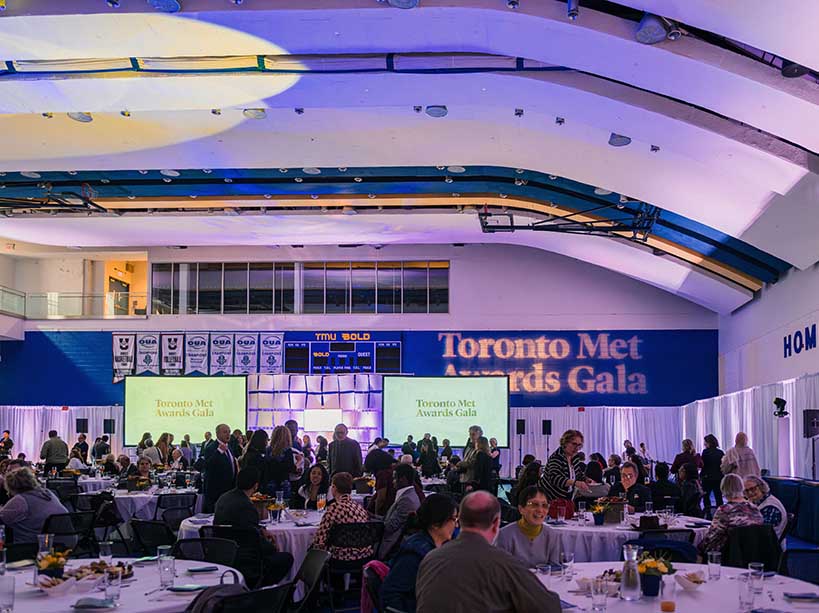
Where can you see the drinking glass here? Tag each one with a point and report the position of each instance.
(756, 572)
(113, 586)
(746, 592)
(567, 564)
(714, 565)
(321, 502)
(107, 552)
(561, 513)
(649, 508)
(668, 595)
(167, 571)
(7, 594)
(545, 572)
(581, 512)
(599, 593)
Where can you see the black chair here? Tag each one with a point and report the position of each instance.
(65, 489)
(788, 527)
(372, 583)
(509, 514)
(150, 534)
(265, 600)
(249, 559)
(681, 535)
(175, 501)
(752, 544)
(106, 514)
(174, 517)
(74, 531)
(359, 535)
(310, 572)
(802, 564)
(213, 550)
(676, 551)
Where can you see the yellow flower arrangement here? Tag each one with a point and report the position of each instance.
(599, 507)
(649, 565)
(53, 560)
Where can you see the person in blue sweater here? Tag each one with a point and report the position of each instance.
(436, 517)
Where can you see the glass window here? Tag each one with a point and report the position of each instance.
(261, 288)
(415, 287)
(285, 288)
(338, 287)
(210, 288)
(235, 288)
(363, 287)
(389, 287)
(313, 287)
(161, 289)
(439, 287)
(184, 288)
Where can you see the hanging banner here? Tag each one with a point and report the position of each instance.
(147, 353)
(172, 348)
(221, 354)
(270, 352)
(247, 354)
(196, 353)
(123, 351)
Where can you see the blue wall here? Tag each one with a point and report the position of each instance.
(663, 367)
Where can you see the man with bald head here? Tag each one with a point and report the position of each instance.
(741, 459)
(470, 574)
(220, 468)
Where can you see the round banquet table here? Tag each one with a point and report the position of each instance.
(427, 481)
(142, 505)
(720, 595)
(28, 599)
(94, 484)
(592, 543)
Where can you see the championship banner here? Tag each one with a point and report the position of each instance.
(247, 354)
(123, 352)
(196, 353)
(270, 353)
(221, 354)
(147, 353)
(172, 348)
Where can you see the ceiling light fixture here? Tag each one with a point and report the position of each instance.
(437, 110)
(403, 4)
(228, 180)
(48, 115)
(114, 4)
(358, 179)
(254, 113)
(618, 140)
(31, 175)
(447, 179)
(342, 169)
(311, 170)
(166, 6)
(298, 179)
(216, 111)
(81, 117)
(560, 121)
(125, 113)
(518, 112)
(655, 29)
(456, 169)
(572, 9)
(655, 148)
(371, 196)
(299, 110)
(207, 171)
(268, 196)
(169, 173)
(792, 70)
(348, 210)
(601, 191)
(513, 4)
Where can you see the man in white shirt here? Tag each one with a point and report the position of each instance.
(406, 503)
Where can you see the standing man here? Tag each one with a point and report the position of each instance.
(741, 459)
(6, 444)
(344, 453)
(205, 443)
(54, 452)
(82, 445)
(103, 448)
(220, 468)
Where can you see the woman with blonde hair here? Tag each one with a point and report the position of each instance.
(689, 455)
(564, 470)
(163, 446)
(279, 462)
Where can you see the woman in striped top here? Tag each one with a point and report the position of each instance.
(564, 470)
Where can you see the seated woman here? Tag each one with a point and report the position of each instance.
(772, 509)
(690, 491)
(436, 518)
(636, 494)
(314, 483)
(662, 490)
(529, 539)
(453, 477)
(29, 507)
(734, 513)
(143, 468)
(75, 461)
(612, 474)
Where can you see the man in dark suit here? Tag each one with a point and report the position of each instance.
(220, 468)
(235, 509)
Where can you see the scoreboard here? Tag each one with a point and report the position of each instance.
(342, 352)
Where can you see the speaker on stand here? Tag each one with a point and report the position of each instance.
(810, 429)
(547, 432)
(520, 430)
(82, 425)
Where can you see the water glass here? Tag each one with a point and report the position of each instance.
(545, 572)
(561, 513)
(7, 594)
(756, 572)
(746, 593)
(167, 571)
(668, 595)
(45, 543)
(581, 512)
(567, 565)
(599, 593)
(107, 552)
(714, 565)
(113, 586)
(649, 508)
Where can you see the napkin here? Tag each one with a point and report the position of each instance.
(801, 595)
(94, 603)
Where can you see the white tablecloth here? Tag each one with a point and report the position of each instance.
(94, 484)
(592, 543)
(133, 599)
(427, 481)
(142, 505)
(721, 595)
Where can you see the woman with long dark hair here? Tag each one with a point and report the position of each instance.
(321, 452)
(530, 475)
(711, 473)
(254, 455)
(315, 482)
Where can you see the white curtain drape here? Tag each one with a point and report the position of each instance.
(29, 425)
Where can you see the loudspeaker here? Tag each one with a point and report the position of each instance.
(547, 427)
(811, 423)
(82, 425)
(520, 426)
(108, 426)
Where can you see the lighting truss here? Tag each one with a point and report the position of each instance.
(55, 201)
(634, 224)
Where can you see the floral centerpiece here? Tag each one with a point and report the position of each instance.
(261, 502)
(275, 510)
(651, 571)
(599, 510)
(52, 564)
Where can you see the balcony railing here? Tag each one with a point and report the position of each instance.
(66, 305)
(12, 302)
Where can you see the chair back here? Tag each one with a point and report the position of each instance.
(150, 534)
(788, 527)
(681, 535)
(213, 550)
(65, 489)
(73, 531)
(268, 600)
(248, 560)
(359, 535)
(310, 573)
(175, 501)
(676, 551)
(509, 514)
(802, 564)
(752, 544)
(174, 516)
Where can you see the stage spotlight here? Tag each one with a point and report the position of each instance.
(618, 140)
(437, 110)
(655, 29)
(780, 403)
(81, 117)
(513, 4)
(403, 4)
(572, 9)
(166, 6)
(114, 4)
(2, 5)
(792, 70)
